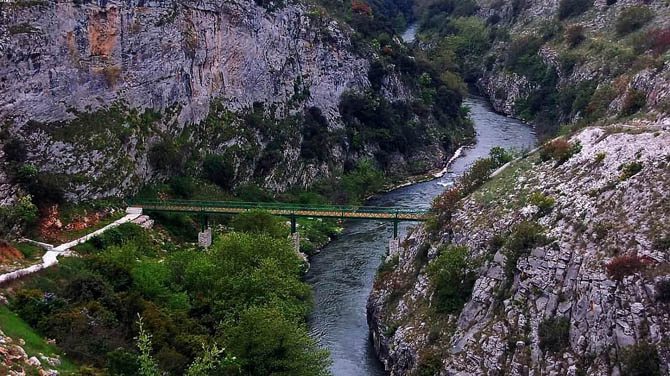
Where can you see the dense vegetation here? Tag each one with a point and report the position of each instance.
(243, 300)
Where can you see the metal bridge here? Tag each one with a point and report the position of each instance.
(292, 211)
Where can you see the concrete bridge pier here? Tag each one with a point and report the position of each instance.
(205, 238)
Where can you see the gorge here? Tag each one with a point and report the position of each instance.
(545, 250)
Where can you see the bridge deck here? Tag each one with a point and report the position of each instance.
(289, 210)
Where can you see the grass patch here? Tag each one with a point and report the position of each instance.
(16, 328)
(28, 250)
(503, 185)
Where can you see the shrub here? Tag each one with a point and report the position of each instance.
(15, 150)
(634, 101)
(624, 265)
(641, 359)
(478, 174)
(662, 244)
(600, 157)
(359, 7)
(554, 334)
(660, 40)
(315, 136)
(574, 35)
(572, 8)
(632, 19)
(629, 170)
(122, 363)
(500, 156)
(544, 203)
(165, 156)
(445, 205)
(451, 276)
(45, 189)
(559, 150)
(220, 170)
(526, 236)
(663, 291)
(183, 186)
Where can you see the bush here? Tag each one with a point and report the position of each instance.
(45, 189)
(315, 136)
(663, 291)
(634, 101)
(660, 40)
(452, 279)
(526, 236)
(220, 170)
(183, 186)
(120, 235)
(122, 363)
(478, 174)
(500, 156)
(545, 204)
(629, 170)
(554, 334)
(624, 265)
(632, 19)
(165, 156)
(641, 359)
(559, 150)
(572, 8)
(444, 206)
(15, 150)
(662, 244)
(574, 35)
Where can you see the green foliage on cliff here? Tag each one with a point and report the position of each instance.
(554, 334)
(452, 277)
(245, 294)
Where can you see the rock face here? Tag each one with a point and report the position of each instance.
(90, 87)
(611, 204)
(603, 56)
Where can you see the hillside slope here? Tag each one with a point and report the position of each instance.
(551, 268)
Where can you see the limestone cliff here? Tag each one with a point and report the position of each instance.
(90, 87)
(569, 266)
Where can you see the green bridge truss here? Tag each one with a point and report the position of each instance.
(292, 211)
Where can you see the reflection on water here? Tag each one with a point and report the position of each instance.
(343, 273)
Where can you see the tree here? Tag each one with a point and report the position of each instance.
(266, 343)
(219, 170)
(259, 222)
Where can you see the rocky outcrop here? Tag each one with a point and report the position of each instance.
(600, 267)
(90, 87)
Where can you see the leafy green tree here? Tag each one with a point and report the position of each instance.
(148, 366)
(266, 343)
(260, 222)
(219, 170)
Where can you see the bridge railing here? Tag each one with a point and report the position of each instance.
(275, 206)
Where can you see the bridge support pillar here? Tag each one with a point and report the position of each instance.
(205, 238)
(395, 229)
(293, 225)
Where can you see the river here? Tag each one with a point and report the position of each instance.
(343, 273)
